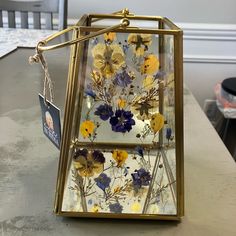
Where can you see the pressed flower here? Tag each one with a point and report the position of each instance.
(143, 106)
(108, 58)
(89, 92)
(88, 163)
(139, 150)
(120, 157)
(115, 207)
(150, 65)
(122, 121)
(141, 178)
(168, 133)
(136, 207)
(98, 156)
(96, 77)
(121, 103)
(148, 82)
(110, 37)
(95, 208)
(104, 112)
(125, 48)
(87, 128)
(157, 122)
(140, 42)
(122, 79)
(103, 181)
(117, 189)
(160, 74)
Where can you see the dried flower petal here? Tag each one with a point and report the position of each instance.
(157, 122)
(150, 65)
(120, 157)
(87, 128)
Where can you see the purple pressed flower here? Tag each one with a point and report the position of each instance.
(168, 133)
(116, 208)
(139, 151)
(103, 181)
(81, 152)
(98, 156)
(104, 111)
(122, 79)
(122, 121)
(141, 178)
(159, 74)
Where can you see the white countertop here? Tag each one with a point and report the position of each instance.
(11, 38)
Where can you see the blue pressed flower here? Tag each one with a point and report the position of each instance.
(98, 156)
(89, 92)
(141, 178)
(125, 48)
(139, 151)
(122, 79)
(104, 111)
(168, 133)
(115, 208)
(122, 121)
(103, 181)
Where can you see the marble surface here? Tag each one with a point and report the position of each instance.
(11, 38)
(28, 165)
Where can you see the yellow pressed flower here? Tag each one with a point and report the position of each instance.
(150, 65)
(157, 122)
(87, 128)
(136, 207)
(117, 189)
(120, 157)
(96, 76)
(108, 58)
(95, 208)
(140, 42)
(110, 36)
(88, 163)
(148, 82)
(121, 103)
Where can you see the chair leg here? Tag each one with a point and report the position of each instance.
(11, 19)
(36, 17)
(24, 20)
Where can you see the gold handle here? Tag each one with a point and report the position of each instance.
(42, 44)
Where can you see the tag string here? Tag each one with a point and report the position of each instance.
(47, 83)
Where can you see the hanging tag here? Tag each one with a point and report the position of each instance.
(51, 121)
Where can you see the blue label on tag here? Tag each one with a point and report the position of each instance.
(51, 121)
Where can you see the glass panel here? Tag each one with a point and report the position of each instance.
(123, 158)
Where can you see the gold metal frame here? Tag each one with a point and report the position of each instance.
(80, 34)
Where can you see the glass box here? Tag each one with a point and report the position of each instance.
(122, 144)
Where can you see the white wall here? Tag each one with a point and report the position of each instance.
(193, 11)
(209, 57)
(209, 35)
